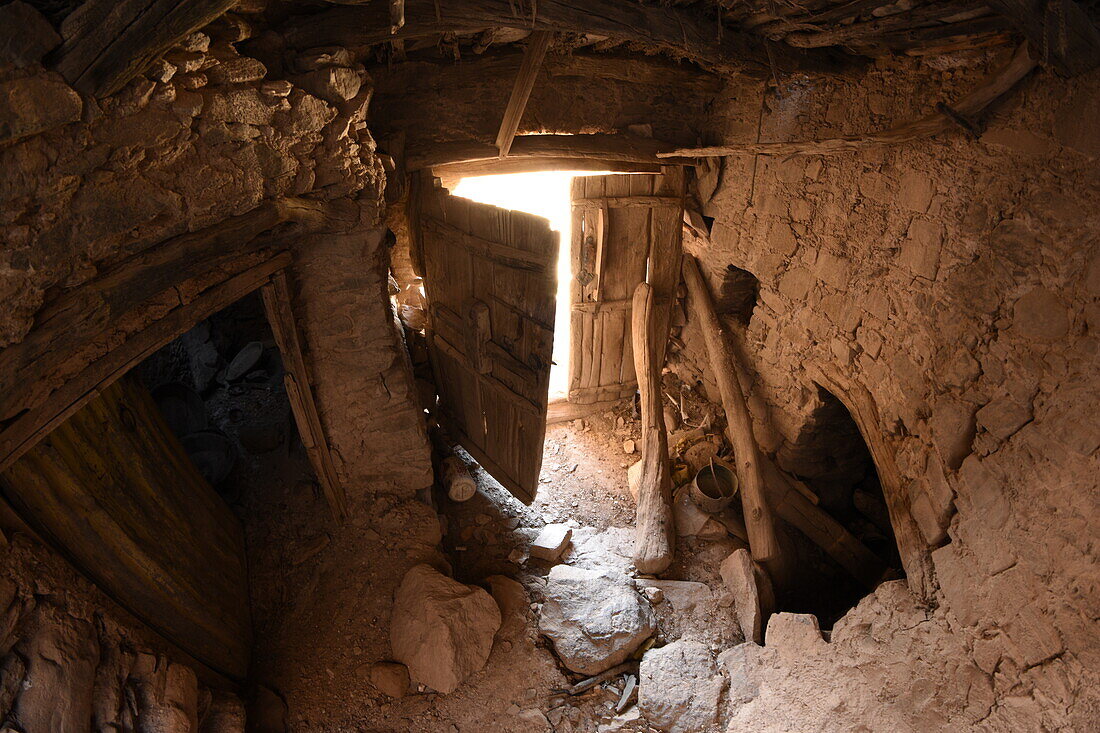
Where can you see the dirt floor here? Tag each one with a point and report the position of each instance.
(321, 623)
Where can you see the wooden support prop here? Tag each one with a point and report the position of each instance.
(537, 43)
(654, 534)
(457, 480)
(277, 305)
(397, 16)
(969, 106)
(758, 516)
(793, 507)
(108, 43)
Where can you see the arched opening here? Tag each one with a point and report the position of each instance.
(834, 462)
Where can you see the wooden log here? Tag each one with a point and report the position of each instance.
(820, 528)
(682, 32)
(596, 147)
(458, 482)
(971, 105)
(655, 530)
(108, 43)
(537, 43)
(758, 516)
(277, 306)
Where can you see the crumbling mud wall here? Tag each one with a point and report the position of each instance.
(956, 282)
(73, 660)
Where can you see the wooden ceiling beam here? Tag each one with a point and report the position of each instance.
(537, 43)
(679, 31)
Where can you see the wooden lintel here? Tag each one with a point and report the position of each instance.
(537, 43)
(614, 149)
(280, 315)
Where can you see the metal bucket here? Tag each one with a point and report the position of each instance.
(714, 487)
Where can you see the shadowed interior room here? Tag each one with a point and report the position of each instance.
(571, 366)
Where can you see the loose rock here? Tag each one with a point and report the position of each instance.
(594, 618)
(391, 678)
(680, 687)
(441, 629)
(551, 542)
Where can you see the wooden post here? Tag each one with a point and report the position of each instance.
(654, 535)
(758, 516)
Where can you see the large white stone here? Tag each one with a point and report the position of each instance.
(680, 687)
(594, 618)
(441, 629)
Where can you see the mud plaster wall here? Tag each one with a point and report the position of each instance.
(958, 281)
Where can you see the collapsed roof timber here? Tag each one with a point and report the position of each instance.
(278, 449)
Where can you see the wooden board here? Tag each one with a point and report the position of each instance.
(113, 490)
(490, 280)
(626, 230)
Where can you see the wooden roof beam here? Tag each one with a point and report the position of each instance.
(598, 147)
(680, 31)
(537, 43)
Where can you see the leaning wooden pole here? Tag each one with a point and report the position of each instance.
(654, 534)
(758, 516)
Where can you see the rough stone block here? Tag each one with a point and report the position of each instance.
(1040, 315)
(920, 251)
(915, 191)
(794, 632)
(334, 84)
(953, 429)
(551, 542)
(984, 492)
(25, 36)
(1003, 416)
(441, 629)
(796, 283)
(679, 687)
(36, 104)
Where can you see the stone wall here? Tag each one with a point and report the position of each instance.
(206, 134)
(957, 283)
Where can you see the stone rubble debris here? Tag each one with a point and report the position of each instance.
(551, 542)
(680, 687)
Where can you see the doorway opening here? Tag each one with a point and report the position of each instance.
(545, 194)
(832, 459)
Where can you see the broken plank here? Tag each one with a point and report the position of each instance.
(277, 306)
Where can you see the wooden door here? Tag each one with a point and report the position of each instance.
(113, 489)
(627, 229)
(490, 280)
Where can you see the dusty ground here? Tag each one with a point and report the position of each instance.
(321, 595)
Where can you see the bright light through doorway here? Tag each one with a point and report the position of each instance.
(543, 194)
